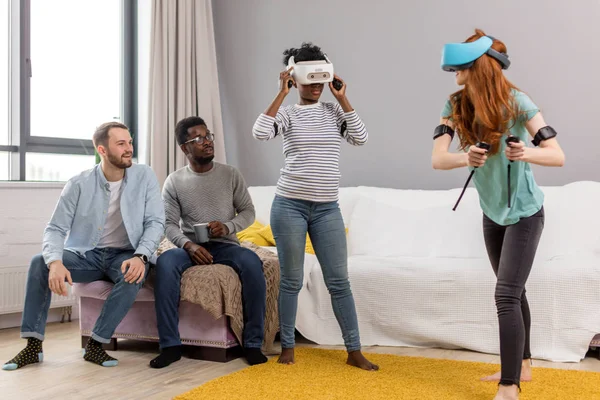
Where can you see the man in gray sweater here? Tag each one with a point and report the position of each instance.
(205, 191)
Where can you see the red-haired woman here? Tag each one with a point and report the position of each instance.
(489, 109)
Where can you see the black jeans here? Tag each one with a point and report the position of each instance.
(511, 250)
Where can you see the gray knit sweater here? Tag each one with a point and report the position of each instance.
(217, 195)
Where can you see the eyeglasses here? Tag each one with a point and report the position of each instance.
(201, 139)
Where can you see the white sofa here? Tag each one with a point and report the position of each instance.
(421, 277)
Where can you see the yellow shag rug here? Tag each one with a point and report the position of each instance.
(323, 374)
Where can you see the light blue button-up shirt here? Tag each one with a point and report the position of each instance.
(82, 210)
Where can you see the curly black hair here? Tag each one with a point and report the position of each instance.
(181, 129)
(307, 52)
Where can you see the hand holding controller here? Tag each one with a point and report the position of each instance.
(477, 154)
(511, 139)
(286, 80)
(337, 84)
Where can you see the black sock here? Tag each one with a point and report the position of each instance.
(167, 356)
(95, 353)
(31, 354)
(255, 356)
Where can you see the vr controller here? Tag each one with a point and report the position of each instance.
(481, 145)
(508, 140)
(511, 139)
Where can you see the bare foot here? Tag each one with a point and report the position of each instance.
(525, 373)
(286, 357)
(507, 392)
(357, 359)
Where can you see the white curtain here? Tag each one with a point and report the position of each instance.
(183, 79)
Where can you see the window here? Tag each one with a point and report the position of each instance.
(4, 165)
(74, 62)
(56, 167)
(4, 76)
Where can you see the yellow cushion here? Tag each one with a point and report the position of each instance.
(254, 233)
(262, 235)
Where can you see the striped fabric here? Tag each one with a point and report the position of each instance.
(311, 145)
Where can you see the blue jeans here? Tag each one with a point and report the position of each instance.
(98, 264)
(171, 265)
(290, 221)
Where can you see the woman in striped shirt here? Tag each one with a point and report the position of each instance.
(306, 199)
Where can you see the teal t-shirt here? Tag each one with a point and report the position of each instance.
(491, 180)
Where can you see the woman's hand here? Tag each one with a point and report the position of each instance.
(476, 157)
(338, 94)
(516, 151)
(285, 77)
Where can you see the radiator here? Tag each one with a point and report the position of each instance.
(12, 291)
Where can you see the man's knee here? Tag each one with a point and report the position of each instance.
(170, 263)
(132, 288)
(252, 263)
(250, 268)
(37, 267)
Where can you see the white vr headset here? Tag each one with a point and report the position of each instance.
(309, 72)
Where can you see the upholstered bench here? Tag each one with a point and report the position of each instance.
(210, 310)
(208, 338)
(595, 344)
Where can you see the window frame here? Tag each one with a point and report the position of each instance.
(20, 138)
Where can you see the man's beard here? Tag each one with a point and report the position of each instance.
(119, 162)
(203, 160)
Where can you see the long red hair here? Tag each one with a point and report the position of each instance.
(484, 109)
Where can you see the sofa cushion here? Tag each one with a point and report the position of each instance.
(571, 225)
(382, 229)
(262, 198)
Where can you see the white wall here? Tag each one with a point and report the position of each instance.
(553, 47)
(25, 208)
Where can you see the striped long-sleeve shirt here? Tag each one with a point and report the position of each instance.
(312, 137)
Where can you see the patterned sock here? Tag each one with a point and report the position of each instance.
(94, 352)
(31, 354)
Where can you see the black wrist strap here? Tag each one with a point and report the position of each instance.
(544, 133)
(442, 130)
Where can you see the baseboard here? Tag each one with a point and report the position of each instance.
(54, 315)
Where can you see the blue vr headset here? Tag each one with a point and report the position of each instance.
(459, 56)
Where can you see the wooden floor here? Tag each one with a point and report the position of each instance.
(64, 375)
